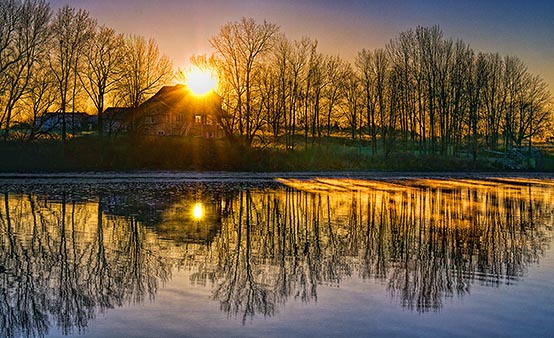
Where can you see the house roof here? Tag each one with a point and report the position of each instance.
(180, 99)
(117, 112)
(49, 115)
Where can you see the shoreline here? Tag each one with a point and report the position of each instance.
(238, 176)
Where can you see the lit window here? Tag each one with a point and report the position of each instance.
(198, 119)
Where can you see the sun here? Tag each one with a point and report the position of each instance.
(201, 81)
(198, 211)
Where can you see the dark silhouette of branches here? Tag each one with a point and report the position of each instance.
(241, 48)
(72, 30)
(103, 67)
(431, 93)
(25, 35)
(422, 92)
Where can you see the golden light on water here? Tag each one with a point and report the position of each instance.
(201, 81)
(198, 211)
(477, 227)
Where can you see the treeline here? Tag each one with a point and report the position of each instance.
(422, 92)
(64, 61)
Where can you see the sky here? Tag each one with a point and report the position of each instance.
(183, 28)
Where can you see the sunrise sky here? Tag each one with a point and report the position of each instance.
(182, 28)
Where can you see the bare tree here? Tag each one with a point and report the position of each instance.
(352, 102)
(72, 28)
(514, 82)
(364, 61)
(336, 73)
(474, 86)
(102, 68)
(494, 99)
(429, 43)
(268, 89)
(318, 83)
(298, 60)
(401, 51)
(458, 87)
(26, 27)
(532, 111)
(39, 99)
(312, 92)
(9, 12)
(145, 70)
(240, 47)
(281, 53)
(380, 70)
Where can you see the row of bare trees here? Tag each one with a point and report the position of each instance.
(422, 91)
(64, 61)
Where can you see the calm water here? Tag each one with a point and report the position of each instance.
(171, 255)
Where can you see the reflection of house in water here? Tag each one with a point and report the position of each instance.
(171, 218)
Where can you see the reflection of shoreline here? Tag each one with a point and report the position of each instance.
(427, 240)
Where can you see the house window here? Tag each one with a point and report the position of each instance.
(198, 119)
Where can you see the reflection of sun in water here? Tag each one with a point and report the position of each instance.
(198, 211)
(201, 81)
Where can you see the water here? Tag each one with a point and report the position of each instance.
(276, 255)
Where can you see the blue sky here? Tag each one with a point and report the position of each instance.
(183, 27)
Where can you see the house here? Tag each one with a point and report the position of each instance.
(115, 120)
(177, 111)
(53, 121)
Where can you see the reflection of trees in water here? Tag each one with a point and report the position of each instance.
(427, 244)
(63, 261)
(241, 285)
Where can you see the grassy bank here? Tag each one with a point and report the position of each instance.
(168, 153)
(120, 154)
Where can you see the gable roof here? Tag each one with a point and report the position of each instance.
(180, 99)
(112, 111)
